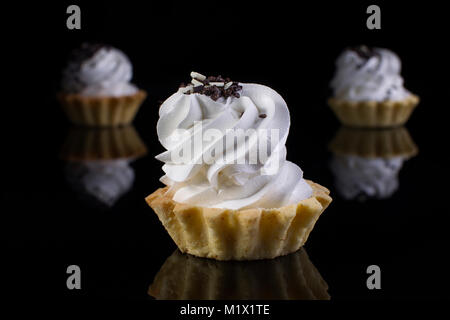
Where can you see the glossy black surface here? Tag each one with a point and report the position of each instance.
(49, 225)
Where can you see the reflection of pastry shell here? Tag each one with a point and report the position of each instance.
(373, 143)
(189, 278)
(249, 234)
(101, 111)
(373, 114)
(83, 144)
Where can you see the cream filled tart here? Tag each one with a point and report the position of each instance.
(368, 89)
(96, 88)
(230, 192)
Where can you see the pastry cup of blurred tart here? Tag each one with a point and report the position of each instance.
(368, 89)
(219, 204)
(96, 88)
(185, 277)
(366, 162)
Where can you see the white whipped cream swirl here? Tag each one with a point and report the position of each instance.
(270, 183)
(364, 74)
(106, 73)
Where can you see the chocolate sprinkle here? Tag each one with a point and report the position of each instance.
(85, 52)
(215, 92)
(263, 115)
(198, 89)
(363, 51)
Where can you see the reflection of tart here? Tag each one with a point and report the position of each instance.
(103, 181)
(367, 162)
(84, 144)
(373, 143)
(98, 162)
(219, 204)
(96, 87)
(368, 89)
(184, 277)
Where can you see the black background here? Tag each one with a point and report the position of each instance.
(289, 48)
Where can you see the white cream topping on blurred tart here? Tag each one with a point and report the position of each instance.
(368, 74)
(98, 70)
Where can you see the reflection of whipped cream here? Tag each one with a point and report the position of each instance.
(368, 74)
(97, 70)
(107, 181)
(374, 177)
(228, 184)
